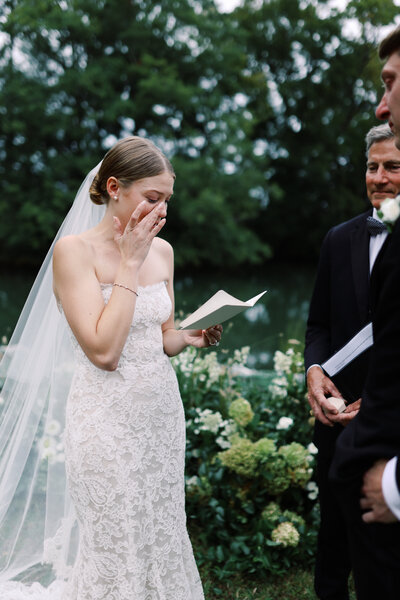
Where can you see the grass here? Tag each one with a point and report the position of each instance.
(297, 584)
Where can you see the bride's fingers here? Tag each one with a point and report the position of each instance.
(134, 218)
(156, 228)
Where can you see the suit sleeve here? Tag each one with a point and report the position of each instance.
(318, 338)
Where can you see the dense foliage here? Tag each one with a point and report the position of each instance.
(263, 112)
(250, 497)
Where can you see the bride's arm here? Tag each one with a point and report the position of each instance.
(100, 329)
(177, 340)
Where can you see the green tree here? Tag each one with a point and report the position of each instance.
(322, 79)
(78, 74)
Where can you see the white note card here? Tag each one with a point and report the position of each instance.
(358, 344)
(219, 308)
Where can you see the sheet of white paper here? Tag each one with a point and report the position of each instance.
(358, 344)
(219, 308)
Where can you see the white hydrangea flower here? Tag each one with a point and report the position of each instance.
(53, 427)
(282, 362)
(286, 534)
(284, 423)
(282, 381)
(312, 448)
(312, 490)
(223, 442)
(47, 448)
(192, 482)
(208, 420)
(277, 392)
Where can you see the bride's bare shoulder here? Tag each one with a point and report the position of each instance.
(163, 247)
(72, 249)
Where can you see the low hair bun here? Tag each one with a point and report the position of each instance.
(95, 192)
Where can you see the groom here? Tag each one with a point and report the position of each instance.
(360, 465)
(338, 310)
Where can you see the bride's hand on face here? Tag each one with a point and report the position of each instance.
(135, 240)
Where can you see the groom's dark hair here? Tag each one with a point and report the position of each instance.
(390, 44)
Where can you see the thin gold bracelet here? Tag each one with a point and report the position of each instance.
(126, 288)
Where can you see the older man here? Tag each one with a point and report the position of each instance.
(363, 450)
(339, 308)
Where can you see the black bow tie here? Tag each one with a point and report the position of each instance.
(375, 227)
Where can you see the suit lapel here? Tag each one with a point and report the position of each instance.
(375, 284)
(359, 241)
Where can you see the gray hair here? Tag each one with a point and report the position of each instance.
(379, 133)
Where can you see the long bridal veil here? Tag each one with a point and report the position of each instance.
(37, 535)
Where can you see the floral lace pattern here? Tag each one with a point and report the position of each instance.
(125, 450)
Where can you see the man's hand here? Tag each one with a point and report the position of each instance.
(319, 386)
(372, 497)
(347, 415)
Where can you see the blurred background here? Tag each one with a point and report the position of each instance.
(262, 107)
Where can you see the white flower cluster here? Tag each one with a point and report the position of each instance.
(184, 361)
(192, 483)
(284, 423)
(286, 534)
(241, 356)
(205, 368)
(228, 429)
(51, 448)
(312, 490)
(283, 361)
(207, 420)
(312, 448)
(278, 388)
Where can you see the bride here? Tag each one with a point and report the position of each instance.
(97, 512)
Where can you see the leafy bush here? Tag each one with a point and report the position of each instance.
(249, 494)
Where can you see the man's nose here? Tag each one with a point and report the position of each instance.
(381, 175)
(382, 111)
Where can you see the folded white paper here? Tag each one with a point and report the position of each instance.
(337, 403)
(358, 344)
(219, 308)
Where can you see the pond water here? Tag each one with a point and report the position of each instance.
(280, 314)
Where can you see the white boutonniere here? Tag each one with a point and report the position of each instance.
(389, 212)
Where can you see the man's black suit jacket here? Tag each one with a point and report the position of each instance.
(375, 432)
(340, 304)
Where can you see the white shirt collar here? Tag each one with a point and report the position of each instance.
(375, 215)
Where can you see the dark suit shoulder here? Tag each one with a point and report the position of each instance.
(348, 226)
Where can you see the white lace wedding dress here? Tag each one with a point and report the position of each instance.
(125, 449)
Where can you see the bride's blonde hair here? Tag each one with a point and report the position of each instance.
(129, 160)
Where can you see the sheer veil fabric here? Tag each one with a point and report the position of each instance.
(38, 540)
